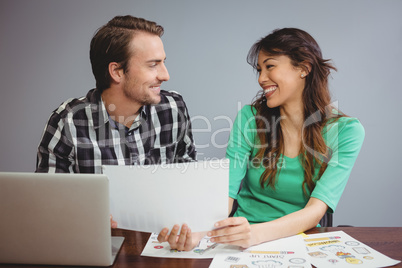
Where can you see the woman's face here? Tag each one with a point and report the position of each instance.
(282, 82)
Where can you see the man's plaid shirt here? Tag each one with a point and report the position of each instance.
(79, 136)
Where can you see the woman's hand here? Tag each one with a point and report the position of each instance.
(233, 231)
(183, 241)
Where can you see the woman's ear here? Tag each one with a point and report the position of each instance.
(305, 68)
(116, 72)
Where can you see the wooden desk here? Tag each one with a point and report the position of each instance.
(387, 240)
(383, 239)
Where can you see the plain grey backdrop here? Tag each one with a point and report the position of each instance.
(44, 53)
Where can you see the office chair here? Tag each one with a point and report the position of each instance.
(327, 220)
(234, 208)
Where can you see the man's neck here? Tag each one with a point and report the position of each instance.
(119, 108)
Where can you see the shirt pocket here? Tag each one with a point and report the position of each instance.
(162, 154)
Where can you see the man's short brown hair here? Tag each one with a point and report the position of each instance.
(111, 44)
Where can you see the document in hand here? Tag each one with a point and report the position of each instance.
(149, 198)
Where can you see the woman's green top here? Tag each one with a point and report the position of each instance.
(343, 136)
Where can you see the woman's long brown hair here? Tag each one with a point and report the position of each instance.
(304, 52)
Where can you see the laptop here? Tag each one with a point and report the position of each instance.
(56, 219)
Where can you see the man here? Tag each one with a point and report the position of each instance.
(127, 119)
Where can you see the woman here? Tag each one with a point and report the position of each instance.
(291, 150)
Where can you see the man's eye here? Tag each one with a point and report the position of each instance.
(269, 66)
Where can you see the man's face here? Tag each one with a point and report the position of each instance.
(146, 70)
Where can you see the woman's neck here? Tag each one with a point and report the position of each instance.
(292, 118)
(291, 125)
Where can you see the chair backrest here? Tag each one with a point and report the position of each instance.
(234, 208)
(327, 220)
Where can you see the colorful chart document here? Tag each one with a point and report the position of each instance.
(331, 249)
(338, 249)
(285, 252)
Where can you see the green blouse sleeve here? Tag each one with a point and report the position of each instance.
(240, 147)
(345, 138)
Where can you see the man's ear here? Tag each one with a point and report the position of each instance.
(116, 72)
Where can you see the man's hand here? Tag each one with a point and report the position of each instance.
(113, 224)
(183, 241)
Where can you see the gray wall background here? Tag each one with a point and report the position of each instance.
(44, 59)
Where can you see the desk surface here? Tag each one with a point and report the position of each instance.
(387, 240)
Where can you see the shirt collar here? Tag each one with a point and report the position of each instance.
(98, 109)
(142, 116)
(100, 115)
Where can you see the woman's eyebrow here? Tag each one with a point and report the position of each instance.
(267, 59)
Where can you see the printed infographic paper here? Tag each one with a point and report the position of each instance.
(338, 249)
(331, 249)
(285, 252)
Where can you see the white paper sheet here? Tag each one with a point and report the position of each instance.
(204, 250)
(288, 251)
(149, 198)
(338, 249)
